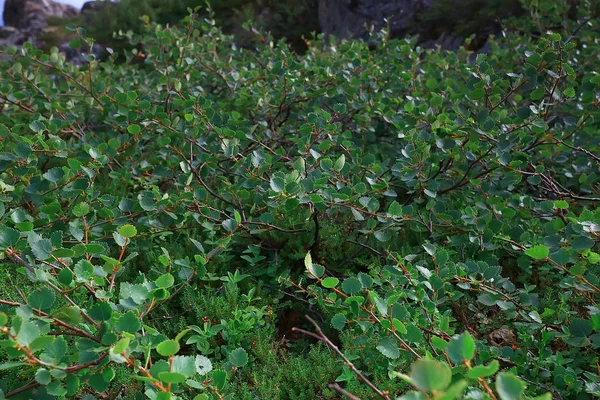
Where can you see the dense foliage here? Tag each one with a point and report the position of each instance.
(164, 225)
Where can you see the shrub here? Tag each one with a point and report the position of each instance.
(437, 211)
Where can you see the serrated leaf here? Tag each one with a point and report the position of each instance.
(238, 357)
(388, 348)
(203, 365)
(127, 231)
(351, 286)
(128, 322)
(338, 321)
(8, 237)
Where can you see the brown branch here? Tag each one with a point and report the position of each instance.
(340, 390)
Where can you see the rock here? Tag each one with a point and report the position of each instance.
(353, 18)
(6, 32)
(30, 18)
(502, 337)
(91, 9)
(25, 14)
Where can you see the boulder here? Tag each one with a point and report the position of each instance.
(353, 18)
(28, 14)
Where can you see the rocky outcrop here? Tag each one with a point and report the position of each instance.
(23, 14)
(354, 18)
(30, 18)
(444, 23)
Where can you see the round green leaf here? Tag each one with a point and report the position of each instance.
(238, 357)
(330, 282)
(430, 375)
(167, 348)
(338, 321)
(42, 376)
(128, 322)
(165, 281)
(351, 286)
(134, 129)
(127, 231)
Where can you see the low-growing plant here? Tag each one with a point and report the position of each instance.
(156, 218)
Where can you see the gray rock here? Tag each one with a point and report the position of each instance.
(25, 13)
(353, 18)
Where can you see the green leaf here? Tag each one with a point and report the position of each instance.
(330, 282)
(134, 129)
(42, 248)
(537, 93)
(171, 377)
(101, 311)
(351, 286)
(561, 204)
(42, 376)
(127, 231)
(83, 271)
(277, 183)
(581, 243)
(37, 126)
(339, 163)
(338, 321)
(167, 348)
(388, 348)
(8, 237)
(395, 209)
(165, 281)
(539, 252)
(461, 347)
(42, 299)
(509, 387)
(3, 319)
(430, 375)
(314, 269)
(580, 328)
(128, 322)
(399, 326)
(219, 378)
(184, 365)
(483, 371)
(238, 357)
(54, 174)
(28, 332)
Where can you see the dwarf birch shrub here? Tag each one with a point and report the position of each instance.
(438, 212)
